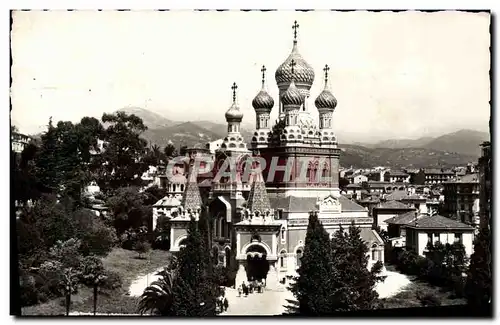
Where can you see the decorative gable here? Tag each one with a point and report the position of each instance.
(329, 205)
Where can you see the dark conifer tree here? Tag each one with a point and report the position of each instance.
(194, 292)
(478, 288)
(311, 287)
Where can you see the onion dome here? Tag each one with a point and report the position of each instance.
(263, 101)
(233, 114)
(292, 96)
(326, 101)
(304, 73)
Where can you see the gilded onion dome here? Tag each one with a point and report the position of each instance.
(326, 101)
(304, 73)
(263, 101)
(233, 114)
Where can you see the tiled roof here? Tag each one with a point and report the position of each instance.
(437, 171)
(438, 222)
(402, 219)
(257, 198)
(191, 198)
(402, 195)
(397, 173)
(350, 205)
(393, 205)
(370, 236)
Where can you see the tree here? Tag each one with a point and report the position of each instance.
(182, 150)
(312, 286)
(121, 164)
(194, 290)
(354, 284)
(96, 236)
(93, 275)
(128, 209)
(478, 287)
(158, 297)
(170, 150)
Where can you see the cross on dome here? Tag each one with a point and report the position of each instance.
(295, 27)
(326, 69)
(263, 70)
(234, 87)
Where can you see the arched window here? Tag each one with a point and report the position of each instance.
(215, 255)
(283, 259)
(299, 254)
(283, 234)
(228, 256)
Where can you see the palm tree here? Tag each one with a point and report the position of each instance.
(158, 297)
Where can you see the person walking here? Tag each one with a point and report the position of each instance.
(239, 290)
(226, 304)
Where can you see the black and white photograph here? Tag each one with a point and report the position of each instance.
(218, 163)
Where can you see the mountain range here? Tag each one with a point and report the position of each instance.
(448, 150)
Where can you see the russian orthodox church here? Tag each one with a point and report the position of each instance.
(260, 223)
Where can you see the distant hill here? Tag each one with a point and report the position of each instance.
(363, 157)
(401, 143)
(449, 150)
(151, 119)
(187, 133)
(463, 141)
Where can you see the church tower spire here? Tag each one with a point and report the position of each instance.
(234, 116)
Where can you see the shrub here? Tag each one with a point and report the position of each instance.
(142, 247)
(428, 300)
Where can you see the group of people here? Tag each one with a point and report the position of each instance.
(222, 303)
(254, 285)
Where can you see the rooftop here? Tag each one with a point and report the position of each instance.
(393, 205)
(306, 204)
(439, 222)
(402, 219)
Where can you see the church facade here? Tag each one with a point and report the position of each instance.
(260, 217)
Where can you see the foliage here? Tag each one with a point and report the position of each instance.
(154, 194)
(382, 233)
(194, 288)
(93, 275)
(170, 151)
(478, 288)
(444, 265)
(65, 155)
(354, 284)
(312, 288)
(128, 209)
(121, 164)
(183, 150)
(142, 247)
(158, 297)
(97, 237)
(428, 300)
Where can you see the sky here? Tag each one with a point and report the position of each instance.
(395, 75)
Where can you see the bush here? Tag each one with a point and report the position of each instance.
(142, 247)
(113, 281)
(428, 300)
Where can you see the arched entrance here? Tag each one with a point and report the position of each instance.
(257, 264)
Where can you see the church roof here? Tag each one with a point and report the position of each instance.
(257, 198)
(306, 204)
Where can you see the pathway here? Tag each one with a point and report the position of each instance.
(270, 302)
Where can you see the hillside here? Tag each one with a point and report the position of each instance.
(186, 133)
(151, 119)
(362, 157)
(463, 141)
(401, 143)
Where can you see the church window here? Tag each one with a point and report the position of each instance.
(283, 234)
(182, 187)
(279, 213)
(374, 254)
